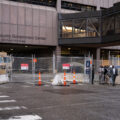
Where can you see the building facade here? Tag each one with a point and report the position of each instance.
(30, 27)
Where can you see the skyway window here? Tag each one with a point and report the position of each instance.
(76, 6)
(51, 3)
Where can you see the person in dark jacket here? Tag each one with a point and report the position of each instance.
(93, 71)
(110, 74)
(115, 73)
(101, 75)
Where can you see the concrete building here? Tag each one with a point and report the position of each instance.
(32, 26)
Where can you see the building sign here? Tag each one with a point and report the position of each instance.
(66, 66)
(20, 39)
(24, 67)
(88, 66)
(88, 63)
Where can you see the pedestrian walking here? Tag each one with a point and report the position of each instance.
(115, 73)
(110, 74)
(93, 71)
(101, 74)
(106, 77)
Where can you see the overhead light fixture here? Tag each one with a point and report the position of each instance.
(69, 48)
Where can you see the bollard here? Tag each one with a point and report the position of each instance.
(39, 82)
(74, 81)
(64, 78)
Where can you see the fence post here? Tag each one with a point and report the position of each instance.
(33, 67)
(54, 62)
(11, 69)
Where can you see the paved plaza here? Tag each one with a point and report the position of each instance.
(75, 102)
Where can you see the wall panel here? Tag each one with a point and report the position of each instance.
(21, 15)
(36, 35)
(13, 34)
(5, 33)
(28, 34)
(29, 17)
(13, 14)
(5, 13)
(35, 17)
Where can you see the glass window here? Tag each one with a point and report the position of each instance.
(87, 27)
(67, 29)
(76, 6)
(108, 25)
(117, 24)
(51, 3)
(79, 28)
(93, 27)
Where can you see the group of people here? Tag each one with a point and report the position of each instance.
(107, 74)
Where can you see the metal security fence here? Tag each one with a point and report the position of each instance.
(22, 69)
(70, 65)
(27, 69)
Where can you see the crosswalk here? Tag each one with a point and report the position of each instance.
(6, 102)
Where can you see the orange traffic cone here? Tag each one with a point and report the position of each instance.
(74, 81)
(39, 82)
(64, 78)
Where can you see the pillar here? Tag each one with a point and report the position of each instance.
(58, 6)
(98, 61)
(58, 57)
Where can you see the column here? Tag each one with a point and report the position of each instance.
(98, 54)
(58, 51)
(58, 57)
(98, 61)
(58, 6)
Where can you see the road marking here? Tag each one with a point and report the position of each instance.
(26, 86)
(3, 96)
(12, 108)
(7, 101)
(26, 117)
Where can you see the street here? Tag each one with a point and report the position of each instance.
(21, 101)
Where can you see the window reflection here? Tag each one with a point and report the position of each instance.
(67, 29)
(108, 25)
(117, 24)
(79, 28)
(77, 6)
(51, 3)
(89, 27)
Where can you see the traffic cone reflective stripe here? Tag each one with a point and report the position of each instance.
(39, 82)
(74, 81)
(64, 78)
